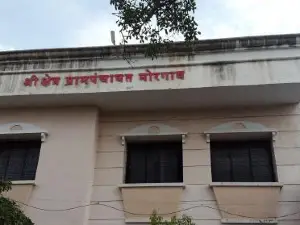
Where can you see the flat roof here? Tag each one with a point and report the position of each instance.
(177, 48)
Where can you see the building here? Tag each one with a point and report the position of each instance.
(89, 138)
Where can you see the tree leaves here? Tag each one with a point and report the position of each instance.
(5, 186)
(155, 21)
(158, 220)
(10, 212)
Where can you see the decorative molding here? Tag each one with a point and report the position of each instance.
(274, 133)
(148, 131)
(122, 140)
(154, 129)
(183, 138)
(207, 138)
(239, 128)
(12, 129)
(43, 137)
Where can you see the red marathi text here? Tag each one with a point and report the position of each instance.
(71, 80)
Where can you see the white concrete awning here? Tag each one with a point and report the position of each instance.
(239, 130)
(22, 131)
(148, 132)
(229, 76)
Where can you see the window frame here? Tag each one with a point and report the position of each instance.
(246, 144)
(179, 159)
(21, 132)
(12, 146)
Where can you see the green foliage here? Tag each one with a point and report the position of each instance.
(154, 21)
(10, 212)
(4, 186)
(158, 220)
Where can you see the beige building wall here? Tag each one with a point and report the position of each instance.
(66, 165)
(110, 159)
(83, 161)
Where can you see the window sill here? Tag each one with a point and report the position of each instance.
(23, 182)
(182, 185)
(141, 220)
(246, 184)
(249, 221)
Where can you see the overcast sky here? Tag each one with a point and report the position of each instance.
(30, 24)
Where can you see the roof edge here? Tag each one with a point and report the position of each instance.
(207, 45)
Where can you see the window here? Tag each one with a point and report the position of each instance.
(154, 162)
(19, 159)
(242, 162)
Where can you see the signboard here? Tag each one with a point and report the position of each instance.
(71, 80)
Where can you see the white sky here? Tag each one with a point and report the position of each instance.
(71, 23)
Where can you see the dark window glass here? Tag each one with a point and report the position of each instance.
(242, 162)
(19, 159)
(154, 162)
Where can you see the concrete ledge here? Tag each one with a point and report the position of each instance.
(246, 184)
(249, 221)
(178, 48)
(152, 185)
(137, 220)
(24, 182)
